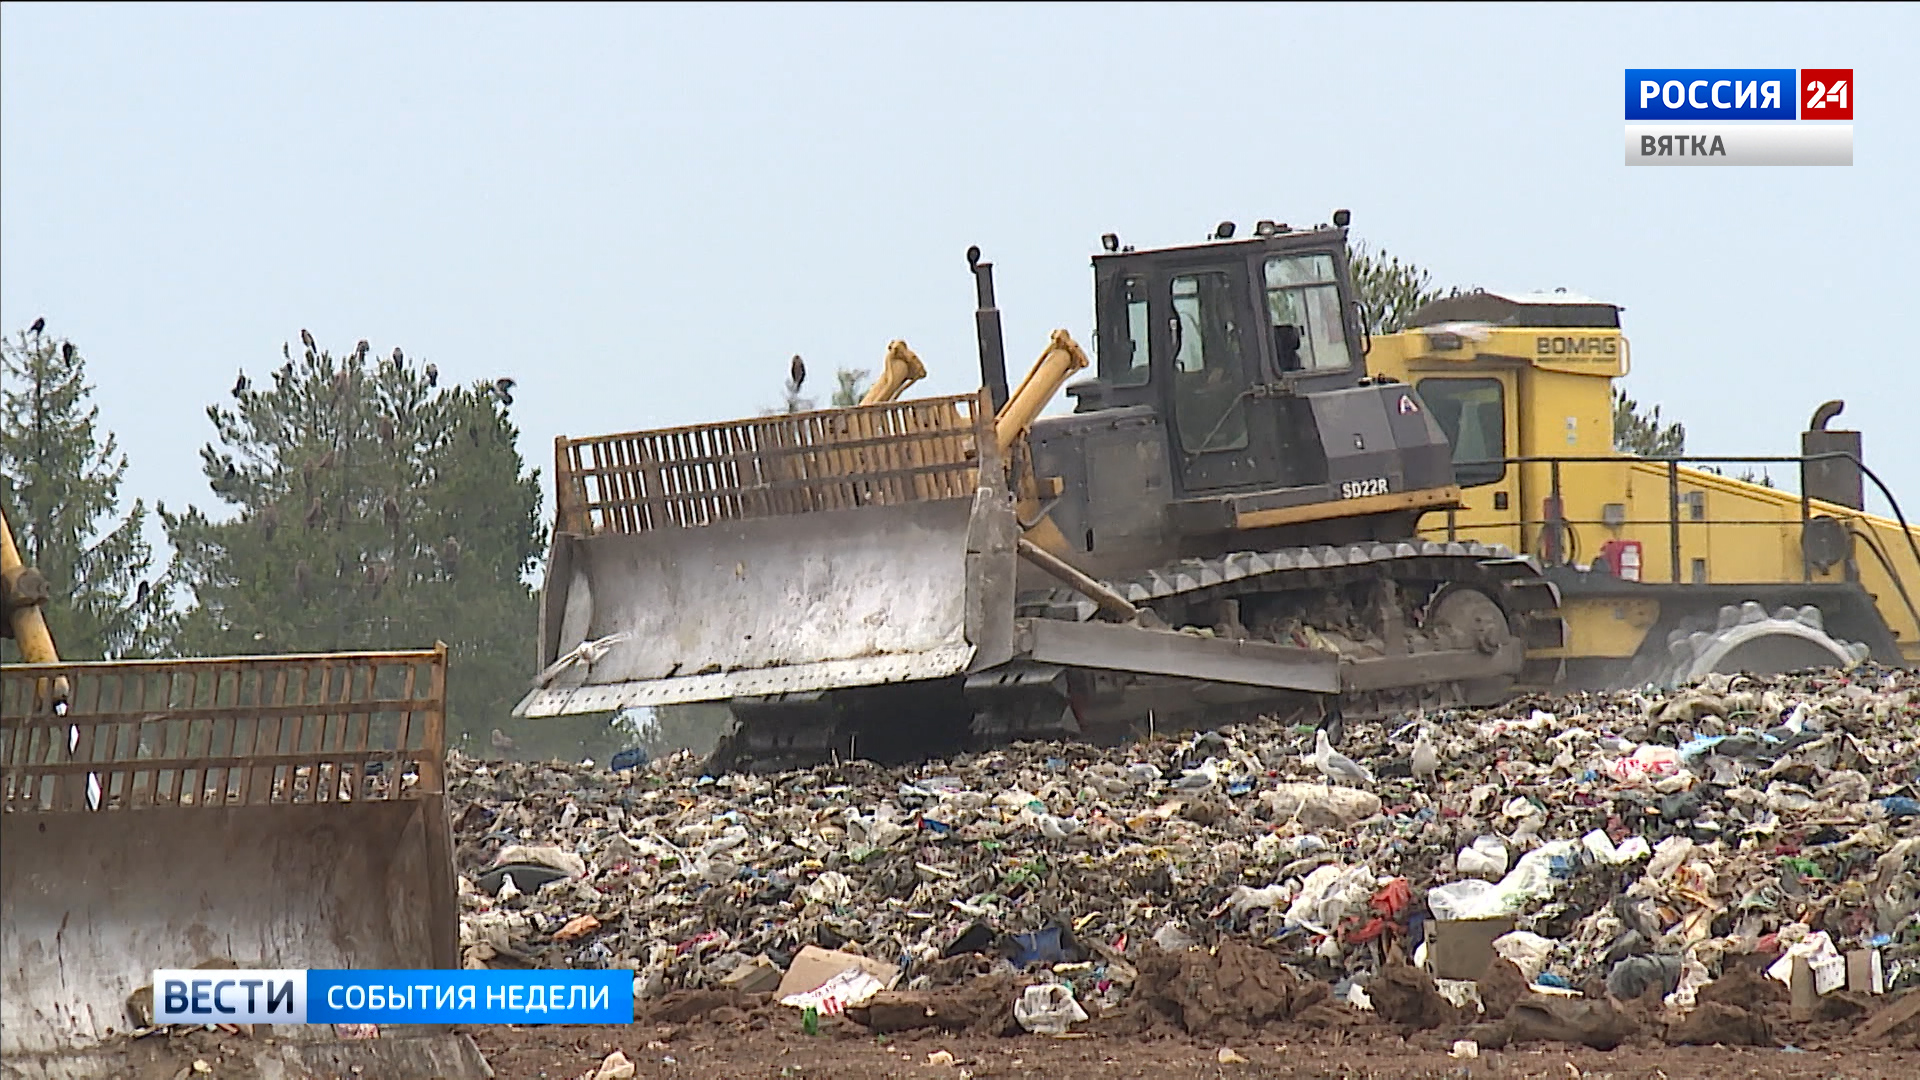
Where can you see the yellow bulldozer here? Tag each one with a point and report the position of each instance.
(1254, 506)
(252, 812)
(1668, 569)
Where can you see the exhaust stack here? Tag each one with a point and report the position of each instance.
(986, 322)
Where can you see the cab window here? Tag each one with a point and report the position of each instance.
(1473, 413)
(1123, 359)
(1304, 315)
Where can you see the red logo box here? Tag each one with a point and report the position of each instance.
(1826, 93)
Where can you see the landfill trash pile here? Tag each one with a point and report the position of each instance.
(1618, 844)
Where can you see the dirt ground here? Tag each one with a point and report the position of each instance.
(1236, 1012)
(849, 1053)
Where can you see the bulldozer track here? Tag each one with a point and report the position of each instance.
(790, 732)
(1529, 600)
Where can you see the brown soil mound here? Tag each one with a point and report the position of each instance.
(1226, 993)
(1406, 995)
(1501, 986)
(1745, 988)
(982, 1007)
(1713, 1023)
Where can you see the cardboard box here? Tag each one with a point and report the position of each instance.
(1866, 974)
(1462, 948)
(757, 976)
(814, 966)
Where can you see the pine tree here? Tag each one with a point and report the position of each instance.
(1389, 290)
(375, 510)
(851, 384)
(1642, 432)
(60, 478)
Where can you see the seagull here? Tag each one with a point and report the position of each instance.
(1054, 828)
(1141, 772)
(1426, 760)
(587, 652)
(500, 741)
(1195, 781)
(1334, 765)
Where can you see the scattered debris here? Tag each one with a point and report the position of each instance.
(1684, 852)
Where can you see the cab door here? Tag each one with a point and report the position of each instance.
(1207, 363)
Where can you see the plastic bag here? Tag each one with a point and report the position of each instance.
(1486, 857)
(1528, 952)
(1647, 762)
(1048, 1009)
(1600, 846)
(1459, 900)
(1532, 879)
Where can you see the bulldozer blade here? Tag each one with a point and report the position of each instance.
(808, 602)
(262, 812)
(777, 555)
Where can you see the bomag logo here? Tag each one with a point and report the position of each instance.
(1577, 346)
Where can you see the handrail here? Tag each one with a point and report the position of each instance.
(1726, 459)
(1673, 464)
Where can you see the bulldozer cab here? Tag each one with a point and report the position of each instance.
(1224, 340)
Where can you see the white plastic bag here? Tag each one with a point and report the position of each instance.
(1486, 857)
(1528, 952)
(1048, 1009)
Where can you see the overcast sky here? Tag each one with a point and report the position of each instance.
(641, 212)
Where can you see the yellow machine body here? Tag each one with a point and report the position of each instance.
(1530, 411)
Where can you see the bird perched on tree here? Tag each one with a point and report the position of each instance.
(504, 388)
(360, 351)
(300, 580)
(391, 511)
(798, 371)
(140, 594)
(66, 351)
(501, 742)
(39, 324)
(231, 471)
(240, 384)
(1334, 765)
(270, 521)
(399, 358)
(386, 431)
(307, 340)
(286, 352)
(316, 513)
(1426, 759)
(433, 374)
(450, 554)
